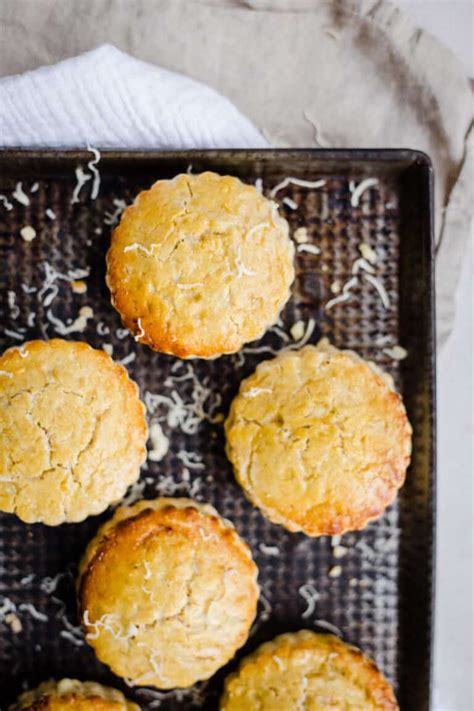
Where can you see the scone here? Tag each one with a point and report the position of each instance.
(305, 670)
(73, 695)
(72, 431)
(167, 592)
(319, 440)
(199, 265)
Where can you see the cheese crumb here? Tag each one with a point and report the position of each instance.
(336, 286)
(269, 550)
(300, 235)
(397, 352)
(50, 213)
(79, 287)
(28, 233)
(335, 571)
(14, 622)
(339, 551)
(297, 330)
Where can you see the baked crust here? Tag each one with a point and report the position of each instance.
(74, 695)
(307, 670)
(167, 592)
(72, 431)
(319, 440)
(200, 265)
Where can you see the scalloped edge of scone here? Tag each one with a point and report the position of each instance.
(164, 343)
(145, 514)
(306, 525)
(69, 690)
(17, 356)
(290, 642)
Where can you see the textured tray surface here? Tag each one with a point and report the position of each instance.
(381, 601)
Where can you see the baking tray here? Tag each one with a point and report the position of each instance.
(383, 599)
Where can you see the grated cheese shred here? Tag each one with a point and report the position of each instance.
(20, 196)
(310, 248)
(379, 288)
(6, 203)
(357, 191)
(311, 596)
(296, 181)
(160, 443)
(81, 180)
(290, 203)
(92, 165)
(111, 217)
(367, 252)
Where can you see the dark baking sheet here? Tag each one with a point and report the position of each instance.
(382, 601)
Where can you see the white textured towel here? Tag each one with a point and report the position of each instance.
(109, 99)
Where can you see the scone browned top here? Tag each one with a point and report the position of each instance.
(310, 671)
(200, 265)
(72, 431)
(319, 440)
(167, 592)
(73, 695)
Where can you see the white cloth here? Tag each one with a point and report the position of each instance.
(108, 99)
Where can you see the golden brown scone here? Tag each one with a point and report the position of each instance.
(199, 265)
(72, 431)
(167, 592)
(73, 695)
(319, 440)
(305, 670)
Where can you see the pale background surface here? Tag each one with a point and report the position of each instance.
(450, 21)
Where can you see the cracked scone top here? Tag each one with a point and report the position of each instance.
(306, 670)
(167, 592)
(72, 431)
(200, 265)
(319, 440)
(73, 695)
